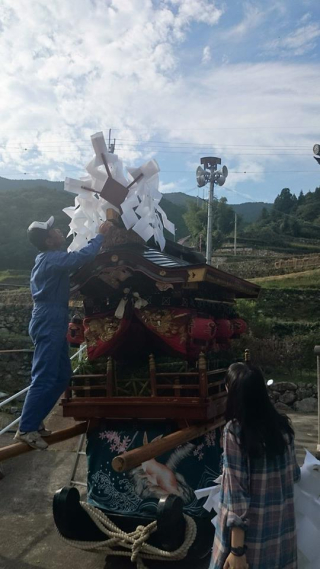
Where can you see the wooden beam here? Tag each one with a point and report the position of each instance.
(137, 456)
(152, 374)
(56, 437)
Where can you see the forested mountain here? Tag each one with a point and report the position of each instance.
(249, 211)
(289, 218)
(6, 184)
(279, 225)
(24, 201)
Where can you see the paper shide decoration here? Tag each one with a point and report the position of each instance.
(106, 187)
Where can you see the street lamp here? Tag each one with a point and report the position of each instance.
(316, 151)
(209, 173)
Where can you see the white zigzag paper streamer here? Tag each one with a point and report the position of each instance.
(140, 211)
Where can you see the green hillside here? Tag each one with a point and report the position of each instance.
(249, 211)
(180, 199)
(24, 201)
(289, 226)
(6, 184)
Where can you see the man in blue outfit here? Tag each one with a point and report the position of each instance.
(51, 368)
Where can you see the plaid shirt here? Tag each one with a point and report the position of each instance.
(257, 495)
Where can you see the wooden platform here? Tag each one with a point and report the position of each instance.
(180, 408)
(189, 396)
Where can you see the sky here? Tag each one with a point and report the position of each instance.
(175, 80)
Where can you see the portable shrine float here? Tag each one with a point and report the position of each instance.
(158, 323)
(162, 322)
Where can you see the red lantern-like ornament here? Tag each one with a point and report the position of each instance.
(75, 334)
(239, 327)
(224, 330)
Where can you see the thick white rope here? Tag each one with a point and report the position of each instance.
(135, 542)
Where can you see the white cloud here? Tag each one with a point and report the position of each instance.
(177, 186)
(298, 42)
(188, 11)
(72, 68)
(206, 54)
(169, 187)
(305, 18)
(255, 15)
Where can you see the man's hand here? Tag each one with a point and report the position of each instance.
(234, 562)
(103, 229)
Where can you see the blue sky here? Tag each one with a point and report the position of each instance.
(174, 79)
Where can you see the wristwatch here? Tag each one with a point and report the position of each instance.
(239, 551)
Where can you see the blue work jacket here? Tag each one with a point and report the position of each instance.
(50, 275)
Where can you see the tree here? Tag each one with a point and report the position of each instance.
(217, 239)
(196, 221)
(223, 216)
(264, 214)
(285, 202)
(222, 221)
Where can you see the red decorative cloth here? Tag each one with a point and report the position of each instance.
(175, 331)
(104, 334)
(169, 325)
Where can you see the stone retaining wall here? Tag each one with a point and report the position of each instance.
(288, 396)
(15, 368)
(15, 371)
(14, 320)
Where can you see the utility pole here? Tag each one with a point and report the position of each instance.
(111, 145)
(209, 173)
(316, 151)
(209, 225)
(235, 233)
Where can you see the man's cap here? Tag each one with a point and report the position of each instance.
(42, 224)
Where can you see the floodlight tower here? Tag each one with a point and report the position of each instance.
(316, 151)
(209, 173)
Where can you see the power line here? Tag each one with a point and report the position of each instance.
(132, 142)
(264, 172)
(250, 171)
(170, 129)
(313, 127)
(157, 151)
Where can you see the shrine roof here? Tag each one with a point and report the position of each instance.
(187, 270)
(162, 259)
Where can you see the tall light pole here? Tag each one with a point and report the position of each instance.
(316, 151)
(209, 173)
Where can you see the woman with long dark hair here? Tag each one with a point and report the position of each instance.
(256, 521)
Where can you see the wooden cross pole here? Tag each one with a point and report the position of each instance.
(137, 456)
(57, 437)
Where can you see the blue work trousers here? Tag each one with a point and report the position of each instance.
(51, 367)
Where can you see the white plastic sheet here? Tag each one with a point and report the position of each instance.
(140, 211)
(307, 507)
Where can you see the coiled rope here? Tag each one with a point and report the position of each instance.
(134, 542)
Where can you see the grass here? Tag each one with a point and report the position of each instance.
(14, 276)
(303, 280)
(301, 375)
